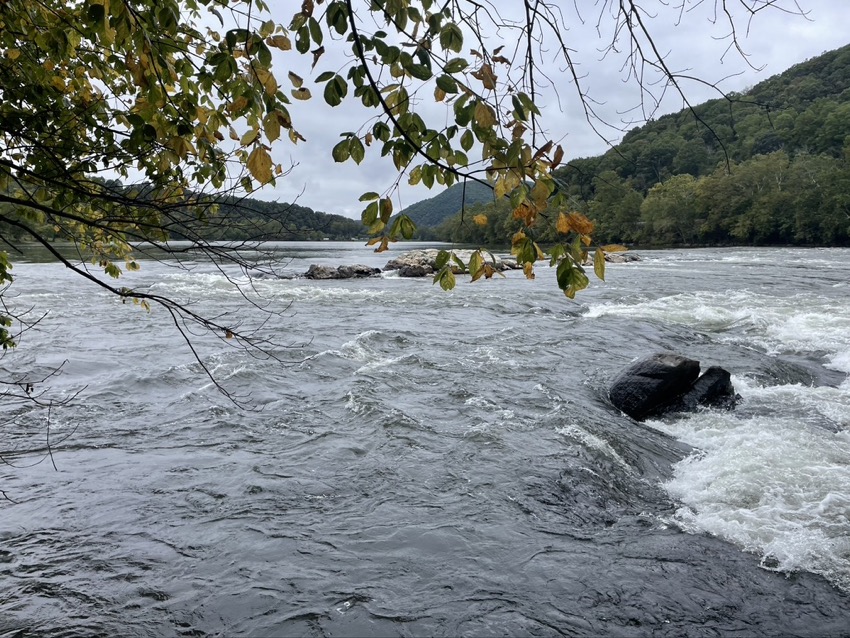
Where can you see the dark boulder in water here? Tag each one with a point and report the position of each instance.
(664, 383)
(650, 383)
(713, 389)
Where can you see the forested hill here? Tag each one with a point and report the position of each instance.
(252, 219)
(806, 109)
(435, 210)
(770, 165)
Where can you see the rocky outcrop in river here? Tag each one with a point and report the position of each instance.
(665, 383)
(419, 263)
(316, 271)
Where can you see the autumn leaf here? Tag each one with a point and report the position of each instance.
(486, 75)
(485, 116)
(260, 165)
(296, 79)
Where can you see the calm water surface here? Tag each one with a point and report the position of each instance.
(422, 463)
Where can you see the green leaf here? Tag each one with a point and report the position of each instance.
(599, 263)
(446, 278)
(342, 151)
(455, 65)
(476, 265)
(335, 91)
(571, 278)
(451, 37)
(556, 254)
(467, 140)
(386, 205)
(370, 214)
(368, 197)
(447, 83)
(315, 30)
(459, 262)
(407, 226)
(357, 150)
(419, 71)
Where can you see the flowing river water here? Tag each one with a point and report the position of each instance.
(422, 463)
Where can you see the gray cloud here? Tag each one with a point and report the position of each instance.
(692, 45)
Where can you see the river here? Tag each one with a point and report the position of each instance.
(413, 462)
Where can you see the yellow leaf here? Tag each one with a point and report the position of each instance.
(439, 94)
(271, 126)
(500, 188)
(296, 80)
(238, 104)
(480, 220)
(513, 178)
(267, 79)
(485, 116)
(250, 137)
(579, 223)
(558, 156)
(181, 147)
(302, 93)
(13, 54)
(279, 42)
(563, 224)
(528, 269)
(260, 165)
(526, 213)
(539, 195)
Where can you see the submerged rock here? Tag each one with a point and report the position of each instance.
(316, 271)
(665, 383)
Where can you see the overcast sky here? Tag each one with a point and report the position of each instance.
(773, 41)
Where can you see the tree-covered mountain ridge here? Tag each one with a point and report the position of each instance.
(770, 165)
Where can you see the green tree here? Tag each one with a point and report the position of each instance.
(670, 212)
(615, 209)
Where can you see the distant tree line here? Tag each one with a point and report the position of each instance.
(228, 219)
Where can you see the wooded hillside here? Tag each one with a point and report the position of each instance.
(767, 166)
